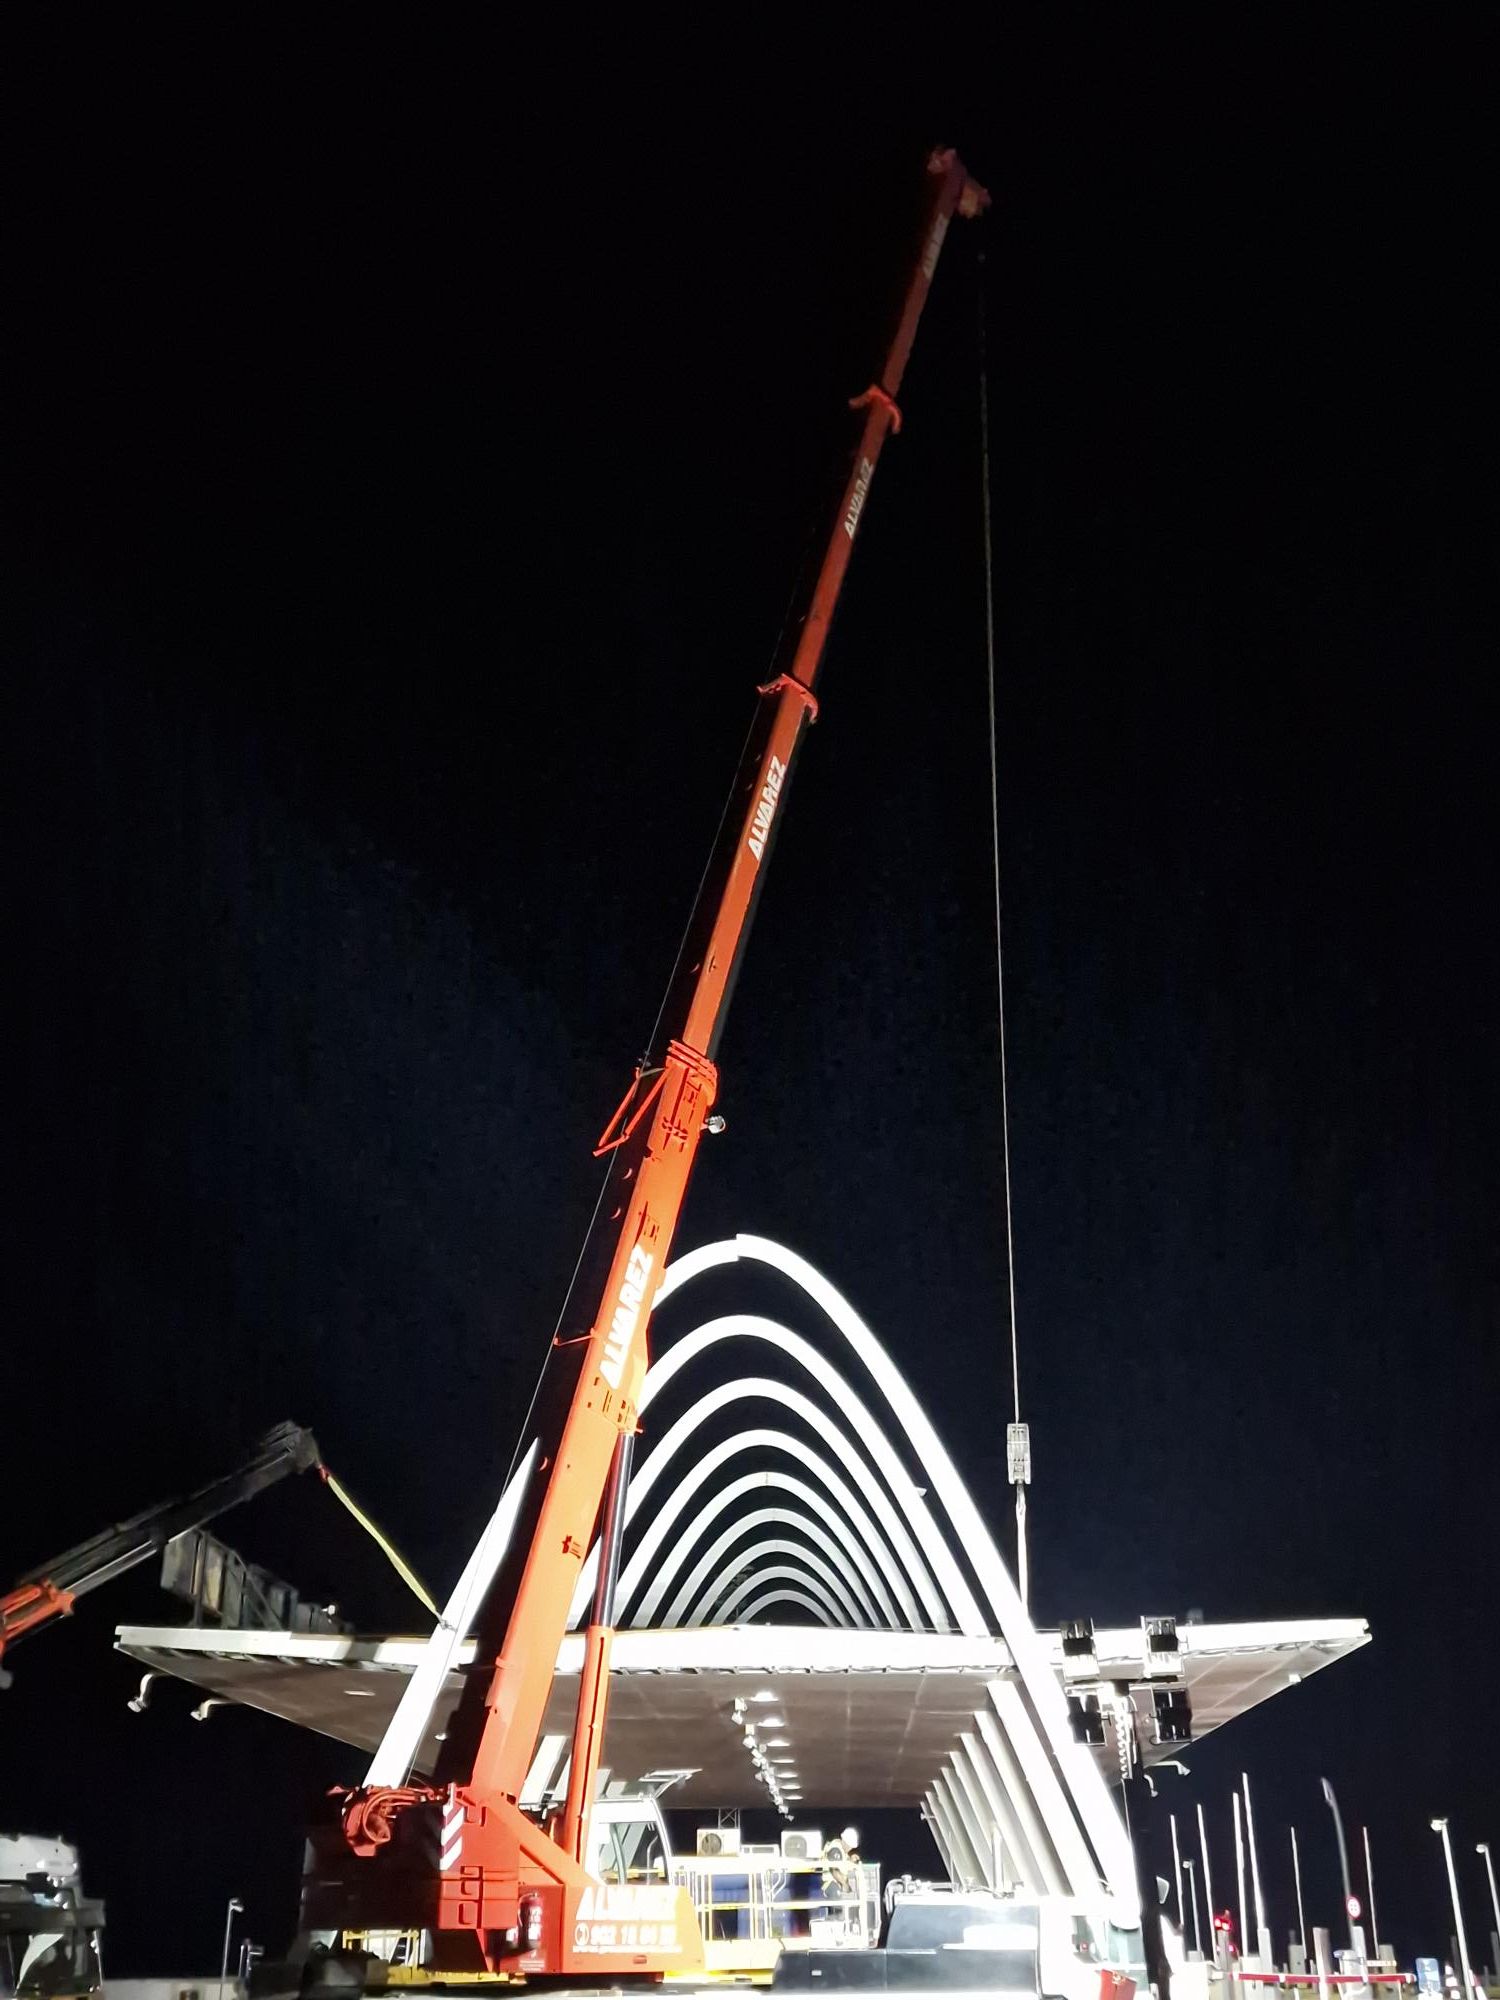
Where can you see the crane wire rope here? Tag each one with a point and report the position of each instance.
(987, 516)
(682, 945)
(588, 1234)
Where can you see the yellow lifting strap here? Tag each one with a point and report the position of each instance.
(398, 1563)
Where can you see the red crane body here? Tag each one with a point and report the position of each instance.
(458, 1857)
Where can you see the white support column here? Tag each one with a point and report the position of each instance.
(970, 1875)
(1080, 1874)
(1048, 1879)
(939, 1835)
(960, 1861)
(979, 1820)
(1020, 1866)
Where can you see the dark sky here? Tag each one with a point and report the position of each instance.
(407, 472)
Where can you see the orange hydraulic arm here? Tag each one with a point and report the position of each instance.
(591, 1389)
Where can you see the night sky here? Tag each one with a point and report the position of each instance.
(404, 491)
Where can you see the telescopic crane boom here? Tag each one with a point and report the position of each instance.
(52, 1590)
(458, 1858)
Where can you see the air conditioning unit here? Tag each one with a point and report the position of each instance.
(803, 1845)
(714, 1841)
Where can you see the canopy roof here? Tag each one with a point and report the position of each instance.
(867, 1718)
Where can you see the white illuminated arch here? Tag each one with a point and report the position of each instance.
(882, 1573)
(730, 1610)
(871, 1434)
(1023, 1753)
(900, 1574)
(1044, 1694)
(753, 1611)
(707, 1583)
(840, 1551)
(828, 1433)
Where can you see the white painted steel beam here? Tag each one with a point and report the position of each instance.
(1088, 1796)
(766, 1388)
(717, 1565)
(753, 1611)
(1048, 1877)
(843, 1397)
(1020, 1865)
(877, 1575)
(732, 1571)
(963, 1836)
(978, 1818)
(731, 1608)
(939, 1837)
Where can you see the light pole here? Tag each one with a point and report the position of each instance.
(1370, 1885)
(1177, 1871)
(1440, 1828)
(1208, 1884)
(236, 1908)
(1262, 1940)
(1338, 1827)
(1188, 1870)
(1297, 1878)
(1489, 1869)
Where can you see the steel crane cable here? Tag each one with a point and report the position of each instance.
(588, 1234)
(989, 657)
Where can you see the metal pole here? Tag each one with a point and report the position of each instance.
(1370, 1885)
(235, 1906)
(1338, 1827)
(1208, 1883)
(1260, 1901)
(1177, 1873)
(1297, 1878)
(1017, 1435)
(1193, 1904)
(1489, 1868)
(1023, 1566)
(1440, 1827)
(1239, 1869)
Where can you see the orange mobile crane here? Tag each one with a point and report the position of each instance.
(456, 1858)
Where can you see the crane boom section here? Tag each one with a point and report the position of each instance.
(51, 1590)
(661, 1122)
(456, 1858)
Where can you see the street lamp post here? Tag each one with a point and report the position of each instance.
(1297, 1878)
(1208, 1884)
(1370, 1885)
(1440, 1828)
(1489, 1869)
(1338, 1827)
(236, 1908)
(1177, 1871)
(1189, 1871)
(1262, 1938)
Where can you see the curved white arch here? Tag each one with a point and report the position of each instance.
(752, 1326)
(853, 1563)
(819, 1422)
(730, 1613)
(705, 1580)
(783, 1597)
(1085, 1781)
(881, 1548)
